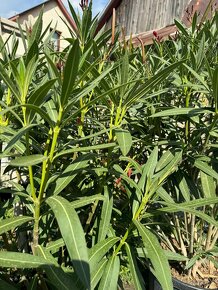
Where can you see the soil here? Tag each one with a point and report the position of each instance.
(207, 281)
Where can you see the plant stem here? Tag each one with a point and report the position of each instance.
(192, 233)
(45, 175)
(36, 226)
(214, 241)
(209, 236)
(208, 134)
(131, 226)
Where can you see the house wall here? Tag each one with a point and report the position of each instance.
(143, 15)
(9, 30)
(53, 14)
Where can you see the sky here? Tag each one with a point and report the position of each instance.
(9, 8)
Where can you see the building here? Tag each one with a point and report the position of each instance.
(141, 17)
(54, 13)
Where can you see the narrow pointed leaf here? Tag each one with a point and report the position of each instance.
(9, 83)
(70, 71)
(45, 116)
(148, 169)
(70, 173)
(21, 260)
(124, 140)
(203, 166)
(54, 246)
(30, 160)
(215, 88)
(55, 273)
(73, 235)
(106, 212)
(18, 136)
(37, 29)
(85, 200)
(6, 286)
(134, 270)
(156, 255)
(98, 251)
(110, 275)
(11, 223)
(208, 185)
(97, 273)
(38, 96)
(84, 149)
(182, 111)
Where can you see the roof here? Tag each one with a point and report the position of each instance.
(59, 4)
(147, 37)
(107, 13)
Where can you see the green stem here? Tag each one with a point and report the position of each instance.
(45, 175)
(131, 226)
(48, 163)
(187, 123)
(208, 134)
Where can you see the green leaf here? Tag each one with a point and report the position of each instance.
(71, 172)
(182, 28)
(11, 223)
(98, 251)
(38, 96)
(190, 208)
(85, 149)
(183, 185)
(124, 74)
(70, 71)
(197, 76)
(156, 255)
(29, 73)
(150, 84)
(18, 136)
(85, 200)
(134, 270)
(54, 246)
(73, 235)
(10, 84)
(215, 88)
(55, 273)
(30, 160)
(36, 30)
(203, 166)
(175, 256)
(165, 159)
(32, 52)
(75, 18)
(208, 185)
(110, 275)
(21, 260)
(6, 135)
(41, 112)
(133, 162)
(106, 212)
(97, 273)
(124, 140)
(182, 111)
(6, 286)
(148, 169)
(162, 193)
(33, 285)
(169, 169)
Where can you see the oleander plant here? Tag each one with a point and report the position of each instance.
(111, 158)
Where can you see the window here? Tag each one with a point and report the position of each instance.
(55, 40)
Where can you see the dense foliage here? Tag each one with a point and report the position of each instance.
(113, 154)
